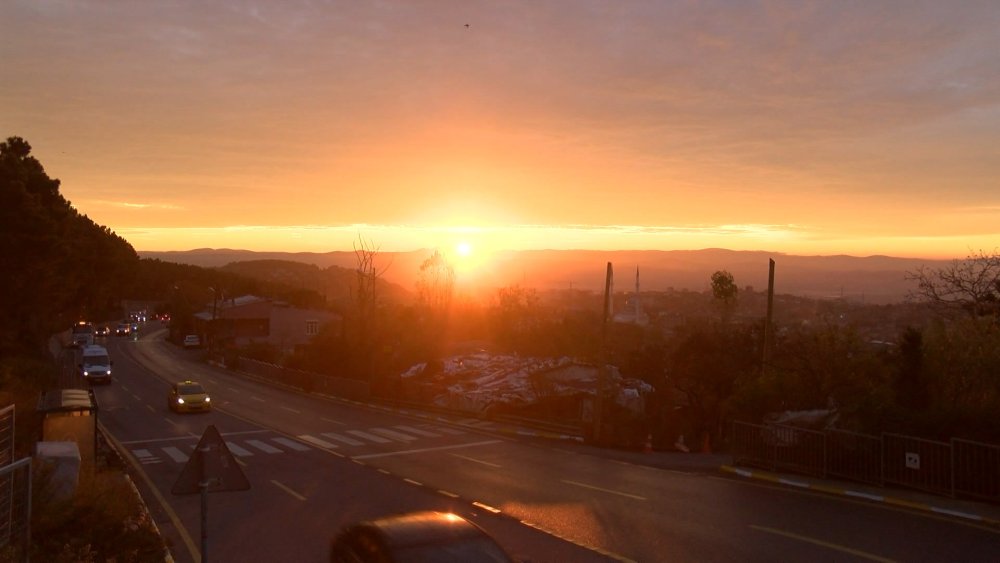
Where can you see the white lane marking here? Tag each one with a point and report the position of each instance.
(392, 434)
(447, 430)
(418, 431)
(333, 421)
(814, 541)
(291, 409)
(237, 450)
(298, 446)
(264, 447)
(407, 452)
(287, 490)
(317, 441)
(612, 491)
(150, 407)
(369, 437)
(467, 458)
(342, 439)
(234, 390)
(171, 422)
(486, 507)
(255, 398)
(137, 398)
(175, 454)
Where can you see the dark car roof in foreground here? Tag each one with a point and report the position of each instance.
(422, 528)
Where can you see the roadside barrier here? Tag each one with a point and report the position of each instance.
(955, 468)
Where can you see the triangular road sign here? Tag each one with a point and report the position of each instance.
(213, 465)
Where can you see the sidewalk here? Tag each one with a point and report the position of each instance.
(970, 510)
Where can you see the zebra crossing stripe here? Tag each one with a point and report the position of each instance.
(264, 447)
(368, 436)
(146, 457)
(418, 431)
(342, 439)
(317, 441)
(298, 446)
(236, 450)
(393, 434)
(447, 430)
(175, 454)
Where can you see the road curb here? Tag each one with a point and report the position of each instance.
(857, 494)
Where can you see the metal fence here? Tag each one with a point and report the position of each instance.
(15, 510)
(15, 494)
(308, 381)
(955, 468)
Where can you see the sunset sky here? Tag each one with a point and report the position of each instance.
(801, 127)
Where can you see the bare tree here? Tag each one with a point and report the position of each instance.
(366, 302)
(971, 285)
(436, 282)
(368, 275)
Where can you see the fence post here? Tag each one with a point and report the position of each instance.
(952, 461)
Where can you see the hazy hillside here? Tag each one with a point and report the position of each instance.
(873, 279)
(338, 285)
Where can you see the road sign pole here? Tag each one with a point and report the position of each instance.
(204, 521)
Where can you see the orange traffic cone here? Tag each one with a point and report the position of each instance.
(648, 446)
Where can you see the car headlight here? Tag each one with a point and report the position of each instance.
(208, 399)
(86, 373)
(180, 401)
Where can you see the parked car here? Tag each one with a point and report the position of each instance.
(192, 341)
(438, 537)
(188, 396)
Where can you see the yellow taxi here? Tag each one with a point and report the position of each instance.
(188, 396)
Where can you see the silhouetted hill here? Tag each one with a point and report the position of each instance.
(335, 283)
(872, 279)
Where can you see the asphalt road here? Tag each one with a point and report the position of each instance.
(316, 465)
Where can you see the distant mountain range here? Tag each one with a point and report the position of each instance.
(871, 279)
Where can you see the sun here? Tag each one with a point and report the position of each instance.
(463, 249)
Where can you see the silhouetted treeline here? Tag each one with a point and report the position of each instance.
(61, 267)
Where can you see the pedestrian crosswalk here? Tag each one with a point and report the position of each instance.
(344, 440)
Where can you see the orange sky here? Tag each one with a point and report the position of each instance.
(827, 128)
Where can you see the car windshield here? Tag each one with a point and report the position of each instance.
(95, 360)
(190, 389)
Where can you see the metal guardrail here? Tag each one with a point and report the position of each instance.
(954, 468)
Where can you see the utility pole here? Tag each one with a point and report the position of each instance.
(768, 336)
(602, 368)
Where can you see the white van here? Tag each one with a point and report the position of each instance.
(95, 365)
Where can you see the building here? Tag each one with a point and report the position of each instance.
(241, 321)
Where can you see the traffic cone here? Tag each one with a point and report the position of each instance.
(647, 448)
(706, 443)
